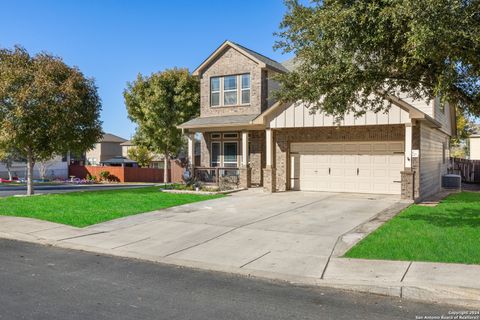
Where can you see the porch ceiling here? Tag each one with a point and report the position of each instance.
(229, 122)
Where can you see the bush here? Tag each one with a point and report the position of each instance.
(104, 175)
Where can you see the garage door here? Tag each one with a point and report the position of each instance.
(366, 167)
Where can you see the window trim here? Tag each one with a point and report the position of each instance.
(245, 89)
(220, 160)
(215, 135)
(219, 91)
(239, 90)
(236, 153)
(234, 135)
(230, 90)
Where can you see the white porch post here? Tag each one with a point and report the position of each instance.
(269, 147)
(191, 149)
(269, 173)
(244, 149)
(408, 145)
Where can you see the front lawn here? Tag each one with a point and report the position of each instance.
(80, 209)
(449, 232)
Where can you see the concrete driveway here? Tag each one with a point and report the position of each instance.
(291, 233)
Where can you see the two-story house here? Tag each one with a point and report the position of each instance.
(284, 146)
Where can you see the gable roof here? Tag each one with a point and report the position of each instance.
(262, 60)
(127, 143)
(108, 137)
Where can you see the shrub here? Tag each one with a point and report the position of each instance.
(104, 175)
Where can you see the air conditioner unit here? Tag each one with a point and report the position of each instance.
(451, 181)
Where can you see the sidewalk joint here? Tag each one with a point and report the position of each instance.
(83, 235)
(406, 271)
(261, 256)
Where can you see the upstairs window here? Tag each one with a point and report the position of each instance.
(245, 92)
(230, 90)
(215, 91)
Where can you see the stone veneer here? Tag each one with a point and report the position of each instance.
(411, 176)
(284, 137)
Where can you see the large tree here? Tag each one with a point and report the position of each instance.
(348, 50)
(46, 107)
(158, 104)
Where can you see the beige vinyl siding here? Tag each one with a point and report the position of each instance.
(474, 148)
(444, 116)
(432, 164)
(421, 104)
(297, 115)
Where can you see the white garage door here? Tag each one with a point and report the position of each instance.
(365, 167)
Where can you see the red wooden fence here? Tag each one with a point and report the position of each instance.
(128, 174)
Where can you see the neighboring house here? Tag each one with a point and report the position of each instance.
(56, 168)
(285, 147)
(157, 160)
(474, 146)
(119, 161)
(108, 147)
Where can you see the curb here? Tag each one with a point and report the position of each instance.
(422, 292)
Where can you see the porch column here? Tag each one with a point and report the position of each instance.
(408, 174)
(269, 173)
(245, 170)
(191, 149)
(408, 145)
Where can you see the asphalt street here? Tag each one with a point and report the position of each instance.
(7, 190)
(40, 282)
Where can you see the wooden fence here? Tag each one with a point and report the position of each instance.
(129, 174)
(469, 170)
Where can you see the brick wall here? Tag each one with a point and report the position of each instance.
(231, 62)
(257, 149)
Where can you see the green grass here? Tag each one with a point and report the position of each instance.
(80, 209)
(449, 232)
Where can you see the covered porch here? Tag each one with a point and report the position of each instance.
(232, 150)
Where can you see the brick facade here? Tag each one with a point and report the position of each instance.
(257, 149)
(231, 62)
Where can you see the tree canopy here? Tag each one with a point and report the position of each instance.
(348, 50)
(46, 107)
(158, 104)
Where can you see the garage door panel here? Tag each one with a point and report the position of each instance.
(350, 167)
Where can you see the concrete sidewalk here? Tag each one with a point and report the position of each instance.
(295, 237)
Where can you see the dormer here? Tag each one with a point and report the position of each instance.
(235, 80)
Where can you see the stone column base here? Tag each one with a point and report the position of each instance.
(269, 180)
(408, 184)
(245, 177)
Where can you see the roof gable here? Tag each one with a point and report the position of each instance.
(263, 61)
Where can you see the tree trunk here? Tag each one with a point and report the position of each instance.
(165, 168)
(9, 171)
(30, 164)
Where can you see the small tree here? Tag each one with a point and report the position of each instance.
(46, 107)
(8, 156)
(141, 155)
(43, 167)
(157, 104)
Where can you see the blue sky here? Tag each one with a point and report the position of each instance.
(112, 41)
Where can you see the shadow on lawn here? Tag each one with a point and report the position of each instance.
(458, 217)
